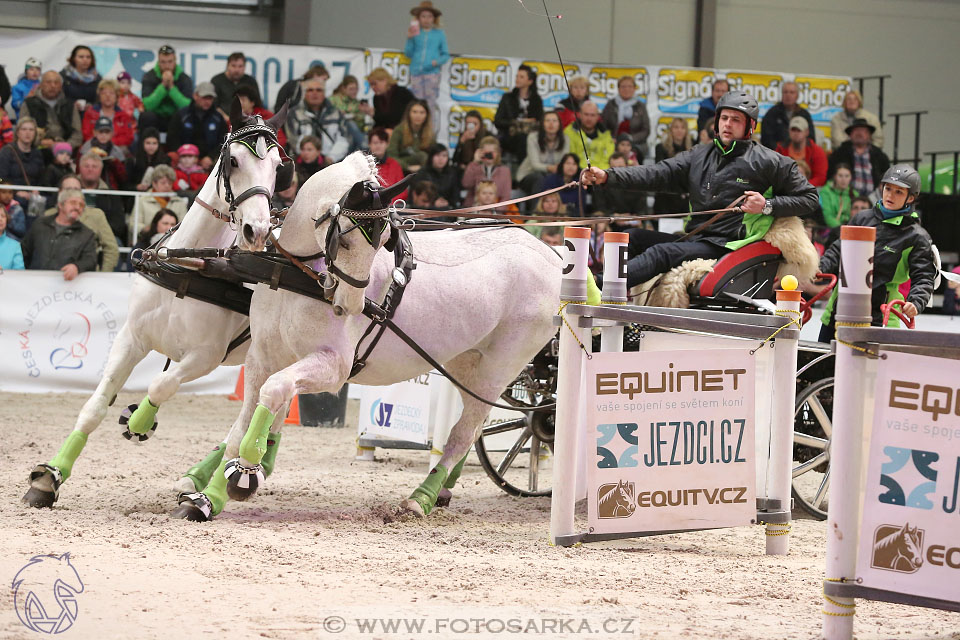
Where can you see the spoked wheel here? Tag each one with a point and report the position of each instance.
(812, 430)
(517, 451)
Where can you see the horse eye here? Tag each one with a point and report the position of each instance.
(234, 163)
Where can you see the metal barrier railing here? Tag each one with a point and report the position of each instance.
(136, 195)
(881, 78)
(916, 137)
(933, 168)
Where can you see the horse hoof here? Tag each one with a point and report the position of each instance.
(44, 488)
(39, 499)
(242, 481)
(194, 507)
(130, 435)
(444, 497)
(185, 485)
(412, 507)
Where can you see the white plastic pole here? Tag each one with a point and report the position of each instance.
(614, 285)
(846, 444)
(781, 424)
(573, 287)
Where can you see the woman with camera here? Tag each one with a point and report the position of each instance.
(486, 166)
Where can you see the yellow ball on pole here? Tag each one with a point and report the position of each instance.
(789, 283)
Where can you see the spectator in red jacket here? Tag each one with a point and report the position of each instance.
(190, 175)
(389, 169)
(802, 148)
(124, 126)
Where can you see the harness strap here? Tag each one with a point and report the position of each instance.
(226, 217)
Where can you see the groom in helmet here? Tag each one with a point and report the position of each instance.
(715, 175)
(902, 250)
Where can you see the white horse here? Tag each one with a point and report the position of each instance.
(195, 335)
(480, 301)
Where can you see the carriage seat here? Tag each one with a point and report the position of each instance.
(752, 270)
(749, 271)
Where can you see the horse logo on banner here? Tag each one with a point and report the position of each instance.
(616, 500)
(897, 548)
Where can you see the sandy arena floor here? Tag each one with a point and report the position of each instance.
(321, 547)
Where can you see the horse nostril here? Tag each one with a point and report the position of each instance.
(248, 234)
(337, 310)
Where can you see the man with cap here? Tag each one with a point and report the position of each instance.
(776, 122)
(165, 89)
(102, 143)
(902, 251)
(56, 116)
(868, 161)
(25, 84)
(200, 123)
(802, 149)
(234, 76)
(733, 168)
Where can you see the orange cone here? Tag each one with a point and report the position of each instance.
(238, 392)
(294, 416)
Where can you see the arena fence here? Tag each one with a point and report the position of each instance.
(136, 224)
(692, 432)
(895, 457)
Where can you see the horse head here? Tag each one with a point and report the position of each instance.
(911, 545)
(351, 231)
(252, 164)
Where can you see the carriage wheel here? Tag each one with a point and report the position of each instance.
(517, 453)
(812, 430)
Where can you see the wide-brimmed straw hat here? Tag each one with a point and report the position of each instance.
(426, 5)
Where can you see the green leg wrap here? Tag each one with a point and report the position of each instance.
(201, 472)
(216, 491)
(254, 443)
(141, 420)
(270, 457)
(68, 453)
(426, 494)
(455, 474)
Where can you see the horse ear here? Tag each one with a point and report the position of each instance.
(236, 114)
(277, 121)
(387, 193)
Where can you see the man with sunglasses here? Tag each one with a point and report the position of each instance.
(166, 89)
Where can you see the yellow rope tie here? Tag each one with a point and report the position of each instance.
(785, 531)
(854, 346)
(602, 302)
(563, 305)
(783, 313)
(851, 608)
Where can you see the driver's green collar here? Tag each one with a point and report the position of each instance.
(719, 144)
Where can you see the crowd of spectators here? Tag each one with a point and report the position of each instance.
(78, 131)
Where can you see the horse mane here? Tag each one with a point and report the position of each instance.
(889, 540)
(609, 493)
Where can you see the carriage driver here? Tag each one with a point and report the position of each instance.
(715, 175)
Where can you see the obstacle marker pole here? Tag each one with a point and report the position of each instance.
(781, 424)
(846, 444)
(573, 288)
(614, 285)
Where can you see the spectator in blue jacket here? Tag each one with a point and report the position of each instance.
(708, 106)
(427, 49)
(26, 83)
(11, 257)
(199, 123)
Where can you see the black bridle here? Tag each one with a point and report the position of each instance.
(372, 223)
(249, 136)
